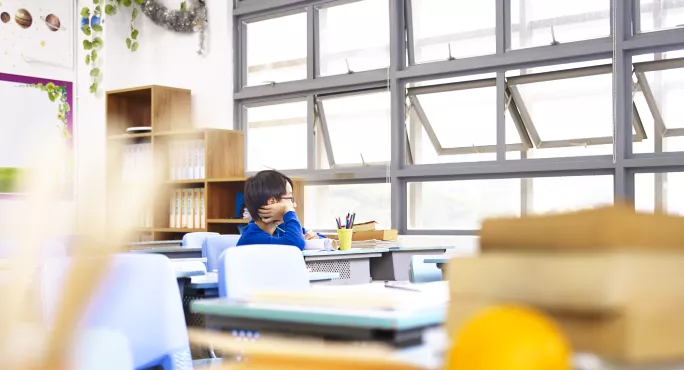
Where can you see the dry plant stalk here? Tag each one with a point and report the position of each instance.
(42, 216)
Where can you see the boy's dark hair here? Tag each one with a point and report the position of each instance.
(262, 187)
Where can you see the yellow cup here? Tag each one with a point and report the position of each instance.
(345, 238)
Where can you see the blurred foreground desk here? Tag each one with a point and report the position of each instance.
(394, 264)
(353, 266)
(402, 326)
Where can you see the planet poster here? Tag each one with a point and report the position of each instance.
(37, 35)
(32, 108)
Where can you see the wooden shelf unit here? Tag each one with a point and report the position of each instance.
(167, 112)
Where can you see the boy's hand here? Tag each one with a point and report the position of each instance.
(310, 235)
(275, 212)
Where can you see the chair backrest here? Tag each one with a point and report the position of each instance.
(421, 272)
(214, 246)
(100, 349)
(249, 268)
(196, 240)
(139, 298)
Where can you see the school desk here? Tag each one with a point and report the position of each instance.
(394, 264)
(353, 265)
(441, 262)
(172, 252)
(401, 327)
(185, 270)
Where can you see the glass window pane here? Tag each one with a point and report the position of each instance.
(359, 127)
(667, 89)
(354, 36)
(277, 137)
(468, 27)
(465, 118)
(276, 50)
(650, 187)
(536, 22)
(462, 205)
(567, 111)
(371, 202)
(658, 15)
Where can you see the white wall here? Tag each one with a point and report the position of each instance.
(171, 59)
(164, 58)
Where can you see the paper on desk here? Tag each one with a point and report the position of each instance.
(319, 245)
(366, 296)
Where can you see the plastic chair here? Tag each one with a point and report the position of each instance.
(214, 246)
(421, 272)
(138, 297)
(100, 349)
(196, 240)
(245, 269)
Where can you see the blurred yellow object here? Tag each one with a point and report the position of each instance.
(509, 338)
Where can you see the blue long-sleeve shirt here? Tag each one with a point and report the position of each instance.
(292, 233)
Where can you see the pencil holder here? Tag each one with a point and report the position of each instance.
(345, 238)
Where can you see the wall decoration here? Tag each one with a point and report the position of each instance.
(190, 18)
(52, 22)
(36, 38)
(23, 18)
(33, 106)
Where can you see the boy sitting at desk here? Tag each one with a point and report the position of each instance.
(269, 200)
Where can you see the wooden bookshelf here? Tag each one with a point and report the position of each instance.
(167, 112)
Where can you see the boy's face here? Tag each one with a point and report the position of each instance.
(287, 197)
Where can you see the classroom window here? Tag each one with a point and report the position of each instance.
(456, 122)
(276, 50)
(463, 204)
(659, 192)
(276, 136)
(355, 128)
(548, 22)
(445, 30)
(660, 14)
(659, 90)
(371, 202)
(568, 112)
(353, 37)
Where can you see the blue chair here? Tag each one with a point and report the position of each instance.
(196, 240)
(250, 268)
(421, 272)
(100, 349)
(214, 246)
(138, 297)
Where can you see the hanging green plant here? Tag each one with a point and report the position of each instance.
(190, 18)
(57, 93)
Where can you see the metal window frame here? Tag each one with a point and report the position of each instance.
(656, 66)
(414, 92)
(623, 43)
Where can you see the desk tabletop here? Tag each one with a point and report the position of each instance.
(157, 243)
(400, 319)
(437, 259)
(402, 248)
(210, 279)
(177, 249)
(189, 268)
(342, 253)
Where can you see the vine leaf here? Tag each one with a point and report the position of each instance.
(88, 59)
(110, 9)
(134, 34)
(139, 2)
(134, 47)
(97, 28)
(86, 30)
(85, 12)
(93, 88)
(95, 72)
(135, 13)
(93, 56)
(127, 3)
(87, 45)
(128, 42)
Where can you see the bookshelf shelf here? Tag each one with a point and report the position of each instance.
(178, 230)
(182, 182)
(129, 136)
(227, 221)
